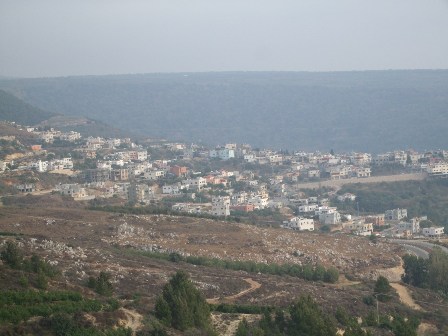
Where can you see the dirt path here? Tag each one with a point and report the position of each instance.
(227, 324)
(133, 320)
(344, 282)
(405, 296)
(394, 276)
(254, 285)
(426, 329)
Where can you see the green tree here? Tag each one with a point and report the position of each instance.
(308, 319)
(382, 288)
(101, 284)
(438, 270)
(415, 271)
(404, 327)
(331, 275)
(181, 305)
(12, 256)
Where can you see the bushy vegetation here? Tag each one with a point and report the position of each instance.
(17, 306)
(304, 317)
(159, 210)
(382, 289)
(13, 257)
(65, 325)
(307, 272)
(427, 273)
(182, 306)
(101, 284)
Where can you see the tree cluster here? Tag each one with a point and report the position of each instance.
(302, 318)
(181, 305)
(427, 273)
(101, 284)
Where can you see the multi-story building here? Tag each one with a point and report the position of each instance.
(220, 206)
(396, 214)
(377, 220)
(179, 171)
(300, 224)
(140, 193)
(196, 183)
(96, 175)
(438, 169)
(433, 231)
(73, 190)
(222, 153)
(154, 174)
(119, 174)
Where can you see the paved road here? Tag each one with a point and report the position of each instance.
(419, 248)
(429, 245)
(416, 251)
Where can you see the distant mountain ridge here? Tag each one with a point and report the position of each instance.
(14, 109)
(370, 111)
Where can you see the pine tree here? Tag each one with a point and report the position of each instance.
(181, 305)
(12, 256)
(382, 288)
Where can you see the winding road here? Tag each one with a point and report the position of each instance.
(419, 248)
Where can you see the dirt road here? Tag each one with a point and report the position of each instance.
(405, 296)
(394, 276)
(254, 285)
(373, 179)
(133, 320)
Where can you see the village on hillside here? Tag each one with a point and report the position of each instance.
(229, 180)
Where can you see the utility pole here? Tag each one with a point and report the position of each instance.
(377, 311)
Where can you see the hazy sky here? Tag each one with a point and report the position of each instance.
(64, 37)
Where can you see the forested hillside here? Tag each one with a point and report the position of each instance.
(421, 198)
(14, 109)
(371, 111)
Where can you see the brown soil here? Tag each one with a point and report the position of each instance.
(405, 296)
(82, 243)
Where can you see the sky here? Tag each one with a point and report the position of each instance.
(49, 38)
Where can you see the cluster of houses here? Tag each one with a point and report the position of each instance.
(266, 179)
(393, 223)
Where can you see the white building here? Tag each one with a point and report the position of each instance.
(396, 214)
(300, 224)
(258, 202)
(328, 215)
(433, 231)
(221, 206)
(154, 174)
(65, 163)
(359, 227)
(222, 153)
(308, 208)
(174, 189)
(73, 190)
(140, 193)
(40, 166)
(438, 169)
(196, 183)
(70, 136)
(332, 218)
(346, 196)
